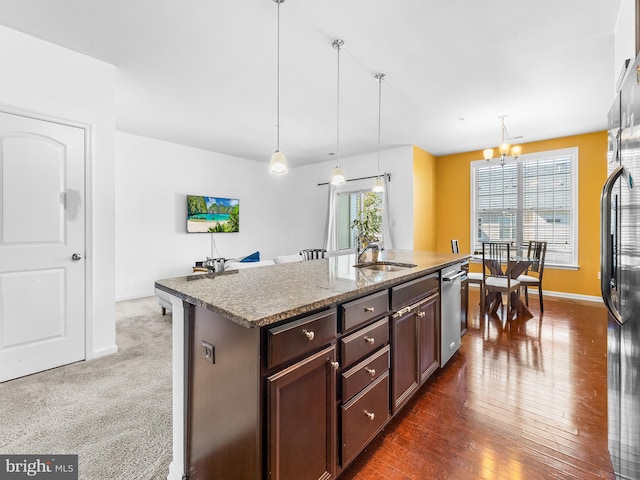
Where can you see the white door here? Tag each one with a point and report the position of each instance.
(42, 271)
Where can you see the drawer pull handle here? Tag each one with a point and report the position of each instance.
(335, 365)
(369, 309)
(369, 340)
(309, 334)
(421, 314)
(371, 371)
(371, 415)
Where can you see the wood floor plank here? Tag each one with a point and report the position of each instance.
(519, 401)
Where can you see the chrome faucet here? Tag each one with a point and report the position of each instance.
(374, 247)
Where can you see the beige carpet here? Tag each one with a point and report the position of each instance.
(114, 412)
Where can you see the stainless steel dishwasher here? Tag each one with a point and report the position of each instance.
(451, 279)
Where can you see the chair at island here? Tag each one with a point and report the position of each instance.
(312, 253)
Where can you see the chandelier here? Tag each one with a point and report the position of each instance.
(505, 147)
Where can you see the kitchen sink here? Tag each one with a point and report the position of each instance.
(385, 266)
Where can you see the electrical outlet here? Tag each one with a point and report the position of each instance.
(209, 352)
(598, 275)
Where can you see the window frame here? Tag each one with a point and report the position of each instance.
(520, 210)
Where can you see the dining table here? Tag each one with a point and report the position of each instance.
(515, 267)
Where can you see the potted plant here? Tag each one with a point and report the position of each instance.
(368, 222)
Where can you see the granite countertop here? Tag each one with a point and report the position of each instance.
(259, 296)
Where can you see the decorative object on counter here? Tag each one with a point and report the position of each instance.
(368, 225)
(505, 147)
(278, 164)
(378, 184)
(214, 265)
(337, 176)
(313, 253)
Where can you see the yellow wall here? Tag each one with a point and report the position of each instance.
(453, 210)
(424, 200)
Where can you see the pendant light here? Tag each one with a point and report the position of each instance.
(278, 164)
(378, 184)
(337, 176)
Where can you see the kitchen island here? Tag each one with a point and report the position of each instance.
(288, 371)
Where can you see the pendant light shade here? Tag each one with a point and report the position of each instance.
(378, 184)
(337, 176)
(278, 164)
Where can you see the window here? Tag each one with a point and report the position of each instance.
(533, 198)
(348, 205)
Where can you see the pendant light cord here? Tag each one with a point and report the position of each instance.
(380, 76)
(338, 109)
(278, 82)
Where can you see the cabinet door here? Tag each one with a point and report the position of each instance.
(405, 358)
(301, 419)
(428, 337)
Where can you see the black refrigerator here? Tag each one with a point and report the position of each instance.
(620, 276)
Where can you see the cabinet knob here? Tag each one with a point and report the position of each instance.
(335, 365)
(371, 415)
(421, 314)
(309, 334)
(369, 340)
(370, 371)
(369, 309)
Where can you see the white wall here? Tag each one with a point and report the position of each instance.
(311, 208)
(153, 179)
(278, 214)
(49, 81)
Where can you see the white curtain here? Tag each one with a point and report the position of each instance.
(330, 234)
(386, 216)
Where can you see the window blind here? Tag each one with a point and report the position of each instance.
(531, 198)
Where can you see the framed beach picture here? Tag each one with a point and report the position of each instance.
(212, 214)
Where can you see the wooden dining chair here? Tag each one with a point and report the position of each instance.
(312, 253)
(533, 276)
(494, 278)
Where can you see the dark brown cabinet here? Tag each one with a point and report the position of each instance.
(301, 421)
(415, 339)
(301, 398)
(265, 403)
(428, 336)
(404, 330)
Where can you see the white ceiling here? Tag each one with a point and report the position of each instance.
(203, 72)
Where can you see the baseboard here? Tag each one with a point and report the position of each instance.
(568, 296)
(103, 352)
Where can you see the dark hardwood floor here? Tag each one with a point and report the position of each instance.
(527, 401)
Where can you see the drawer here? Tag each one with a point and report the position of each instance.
(361, 343)
(366, 308)
(412, 291)
(294, 339)
(363, 417)
(365, 373)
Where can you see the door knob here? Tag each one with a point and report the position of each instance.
(76, 256)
